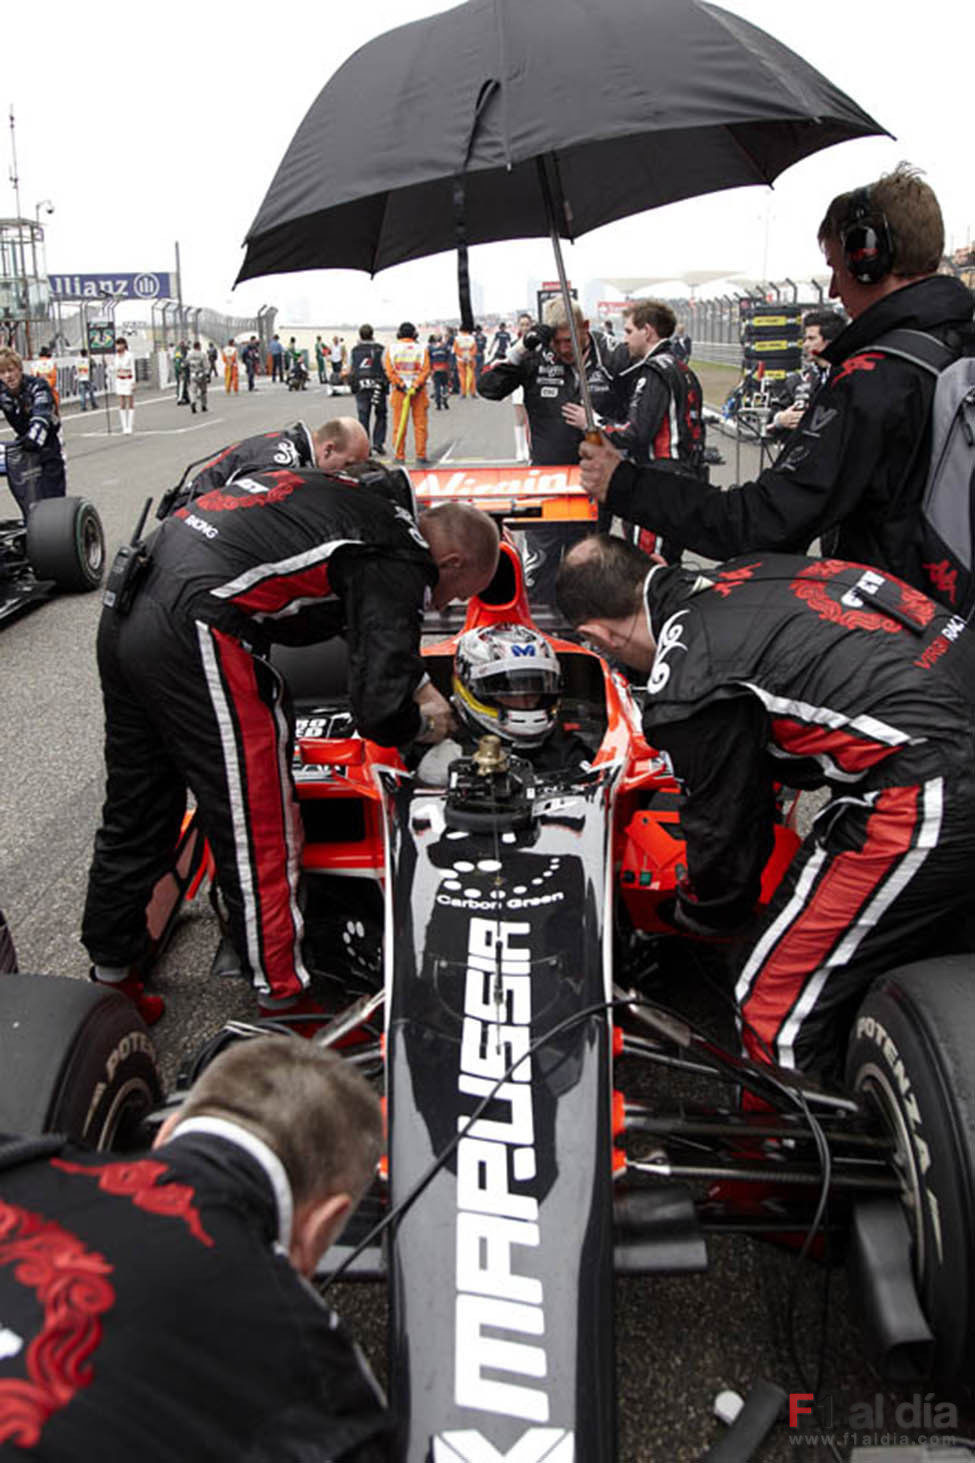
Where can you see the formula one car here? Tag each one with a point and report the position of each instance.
(61, 547)
(486, 945)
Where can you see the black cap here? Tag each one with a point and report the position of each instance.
(407, 329)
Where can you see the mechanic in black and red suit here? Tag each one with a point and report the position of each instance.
(288, 557)
(35, 470)
(855, 467)
(329, 447)
(810, 672)
(152, 1307)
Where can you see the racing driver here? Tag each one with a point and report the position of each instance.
(286, 556)
(810, 672)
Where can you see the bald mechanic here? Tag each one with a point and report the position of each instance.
(291, 557)
(813, 672)
(856, 465)
(330, 447)
(154, 1307)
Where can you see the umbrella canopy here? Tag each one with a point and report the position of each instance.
(632, 103)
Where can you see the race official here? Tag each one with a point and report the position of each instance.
(368, 384)
(35, 469)
(856, 466)
(664, 422)
(285, 556)
(407, 367)
(156, 1306)
(811, 672)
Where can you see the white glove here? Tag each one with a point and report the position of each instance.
(434, 765)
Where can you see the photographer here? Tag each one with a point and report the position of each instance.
(36, 470)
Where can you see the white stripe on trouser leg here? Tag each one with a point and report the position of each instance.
(778, 926)
(894, 884)
(287, 817)
(235, 790)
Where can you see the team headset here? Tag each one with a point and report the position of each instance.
(868, 249)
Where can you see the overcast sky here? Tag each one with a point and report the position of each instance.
(143, 125)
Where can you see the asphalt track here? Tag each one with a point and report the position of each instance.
(680, 1340)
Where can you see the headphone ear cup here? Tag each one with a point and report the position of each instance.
(867, 249)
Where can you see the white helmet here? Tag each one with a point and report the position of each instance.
(507, 680)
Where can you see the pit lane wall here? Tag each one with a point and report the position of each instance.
(67, 369)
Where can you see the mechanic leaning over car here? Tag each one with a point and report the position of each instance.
(156, 1300)
(855, 467)
(288, 556)
(331, 447)
(35, 468)
(810, 672)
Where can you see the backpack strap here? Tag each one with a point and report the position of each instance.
(918, 347)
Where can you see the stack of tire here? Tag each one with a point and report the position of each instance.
(771, 335)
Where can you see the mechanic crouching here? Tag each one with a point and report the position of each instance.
(34, 464)
(807, 672)
(286, 556)
(154, 1306)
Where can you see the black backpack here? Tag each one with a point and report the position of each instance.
(947, 527)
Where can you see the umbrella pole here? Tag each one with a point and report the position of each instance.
(592, 431)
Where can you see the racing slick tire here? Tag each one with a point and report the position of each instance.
(66, 543)
(76, 1059)
(912, 1057)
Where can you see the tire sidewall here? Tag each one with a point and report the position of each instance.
(109, 1076)
(897, 1058)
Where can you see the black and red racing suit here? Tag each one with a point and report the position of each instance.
(190, 700)
(292, 447)
(150, 1312)
(811, 673)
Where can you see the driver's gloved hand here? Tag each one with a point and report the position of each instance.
(537, 336)
(35, 437)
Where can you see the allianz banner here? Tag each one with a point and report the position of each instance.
(147, 285)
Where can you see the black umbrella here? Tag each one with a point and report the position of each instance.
(506, 119)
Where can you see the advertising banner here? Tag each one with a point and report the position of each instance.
(146, 285)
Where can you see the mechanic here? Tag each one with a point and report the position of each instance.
(541, 363)
(665, 422)
(216, 1348)
(285, 556)
(331, 447)
(35, 468)
(507, 681)
(367, 381)
(811, 672)
(858, 461)
(819, 329)
(407, 367)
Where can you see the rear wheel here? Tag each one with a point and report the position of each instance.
(912, 1058)
(66, 543)
(76, 1059)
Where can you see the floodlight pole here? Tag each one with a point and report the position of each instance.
(549, 201)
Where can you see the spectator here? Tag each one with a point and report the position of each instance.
(321, 358)
(125, 384)
(276, 352)
(501, 342)
(367, 382)
(541, 362)
(28, 404)
(179, 354)
(680, 343)
(212, 356)
(440, 371)
(168, 1291)
(86, 390)
(857, 464)
(820, 329)
(196, 366)
(664, 423)
(337, 358)
(480, 341)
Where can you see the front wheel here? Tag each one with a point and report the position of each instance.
(66, 543)
(912, 1059)
(75, 1058)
